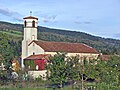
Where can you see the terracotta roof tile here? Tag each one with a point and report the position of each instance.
(30, 17)
(36, 57)
(105, 57)
(65, 47)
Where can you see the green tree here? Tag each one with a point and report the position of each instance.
(56, 69)
(72, 68)
(108, 71)
(6, 52)
(63, 69)
(114, 69)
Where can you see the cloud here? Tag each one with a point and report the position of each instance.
(18, 19)
(87, 22)
(117, 35)
(83, 22)
(46, 16)
(50, 17)
(45, 21)
(78, 22)
(12, 14)
(5, 12)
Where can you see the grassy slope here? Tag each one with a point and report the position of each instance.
(13, 33)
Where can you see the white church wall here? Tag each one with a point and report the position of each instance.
(34, 48)
(24, 51)
(87, 55)
(29, 33)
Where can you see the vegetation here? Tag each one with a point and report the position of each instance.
(16, 66)
(8, 49)
(30, 64)
(63, 69)
(91, 87)
(60, 71)
(75, 73)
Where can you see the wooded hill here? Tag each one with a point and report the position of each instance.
(104, 45)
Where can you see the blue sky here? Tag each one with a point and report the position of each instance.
(96, 17)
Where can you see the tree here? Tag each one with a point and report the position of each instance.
(72, 64)
(113, 66)
(62, 68)
(108, 71)
(57, 69)
(87, 70)
(6, 51)
(15, 65)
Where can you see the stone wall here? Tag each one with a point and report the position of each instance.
(38, 74)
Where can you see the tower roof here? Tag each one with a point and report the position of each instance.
(30, 17)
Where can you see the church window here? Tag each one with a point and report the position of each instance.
(33, 53)
(33, 23)
(33, 44)
(37, 67)
(25, 23)
(33, 37)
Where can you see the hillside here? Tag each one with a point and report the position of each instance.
(105, 45)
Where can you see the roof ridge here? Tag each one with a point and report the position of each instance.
(60, 42)
(30, 17)
(87, 45)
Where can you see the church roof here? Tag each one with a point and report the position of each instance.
(30, 17)
(36, 57)
(105, 57)
(65, 47)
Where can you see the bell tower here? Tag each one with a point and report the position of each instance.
(30, 34)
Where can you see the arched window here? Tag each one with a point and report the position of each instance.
(25, 23)
(33, 37)
(33, 23)
(33, 44)
(33, 53)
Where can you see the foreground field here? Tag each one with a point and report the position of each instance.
(88, 86)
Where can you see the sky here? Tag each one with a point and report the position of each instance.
(96, 17)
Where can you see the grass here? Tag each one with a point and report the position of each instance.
(34, 89)
(41, 85)
(99, 87)
(13, 33)
(41, 88)
(25, 89)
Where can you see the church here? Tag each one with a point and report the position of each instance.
(34, 49)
